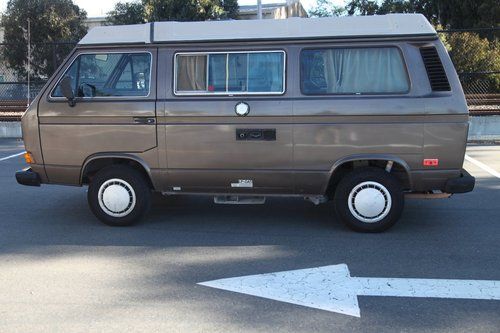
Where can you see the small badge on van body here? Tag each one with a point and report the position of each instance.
(242, 109)
(248, 183)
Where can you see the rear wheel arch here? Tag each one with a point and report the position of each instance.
(345, 165)
(95, 163)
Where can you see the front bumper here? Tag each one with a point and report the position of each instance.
(462, 184)
(28, 177)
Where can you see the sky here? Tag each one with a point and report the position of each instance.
(96, 8)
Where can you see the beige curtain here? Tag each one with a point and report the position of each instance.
(192, 73)
(370, 70)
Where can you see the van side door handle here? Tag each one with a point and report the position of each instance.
(144, 120)
(256, 134)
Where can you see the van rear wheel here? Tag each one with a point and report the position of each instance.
(369, 200)
(119, 195)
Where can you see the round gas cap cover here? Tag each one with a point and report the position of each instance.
(242, 109)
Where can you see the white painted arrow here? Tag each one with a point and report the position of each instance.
(332, 288)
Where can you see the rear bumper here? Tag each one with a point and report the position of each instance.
(462, 184)
(28, 177)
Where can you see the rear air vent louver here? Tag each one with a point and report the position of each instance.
(435, 71)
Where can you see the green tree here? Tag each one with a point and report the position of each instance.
(126, 13)
(459, 14)
(362, 7)
(172, 10)
(454, 14)
(429, 8)
(395, 6)
(325, 8)
(51, 21)
(471, 54)
(231, 9)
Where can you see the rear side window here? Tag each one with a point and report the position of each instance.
(230, 73)
(109, 75)
(378, 70)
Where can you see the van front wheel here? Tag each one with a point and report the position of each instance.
(119, 195)
(369, 200)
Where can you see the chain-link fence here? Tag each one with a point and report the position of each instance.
(482, 92)
(475, 53)
(16, 90)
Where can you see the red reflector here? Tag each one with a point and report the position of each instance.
(431, 162)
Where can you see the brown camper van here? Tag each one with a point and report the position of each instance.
(361, 111)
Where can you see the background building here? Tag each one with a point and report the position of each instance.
(274, 11)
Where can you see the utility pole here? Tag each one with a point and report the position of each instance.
(29, 60)
(259, 9)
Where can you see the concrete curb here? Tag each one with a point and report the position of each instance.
(482, 128)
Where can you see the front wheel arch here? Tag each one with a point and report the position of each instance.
(95, 163)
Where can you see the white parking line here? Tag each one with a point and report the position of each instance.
(482, 166)
(11, 156)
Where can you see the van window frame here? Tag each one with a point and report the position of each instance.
(90, 99)
(228, 93)
(401, 53)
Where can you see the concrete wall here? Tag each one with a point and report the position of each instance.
(10, 129)
(277, 11)
(486, 128)
(291, 10)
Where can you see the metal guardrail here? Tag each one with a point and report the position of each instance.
(12, 110)
(485, 99)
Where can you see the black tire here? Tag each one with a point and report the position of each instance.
(390, 211)
(125, 175)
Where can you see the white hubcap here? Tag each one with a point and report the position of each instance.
(116, 197)
(369, 202)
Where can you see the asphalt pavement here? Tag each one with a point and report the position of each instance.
(63, 271)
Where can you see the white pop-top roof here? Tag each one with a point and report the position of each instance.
(291, 28)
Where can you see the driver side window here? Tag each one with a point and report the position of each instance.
(109, 75)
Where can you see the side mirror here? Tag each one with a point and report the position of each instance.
(67, 90)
